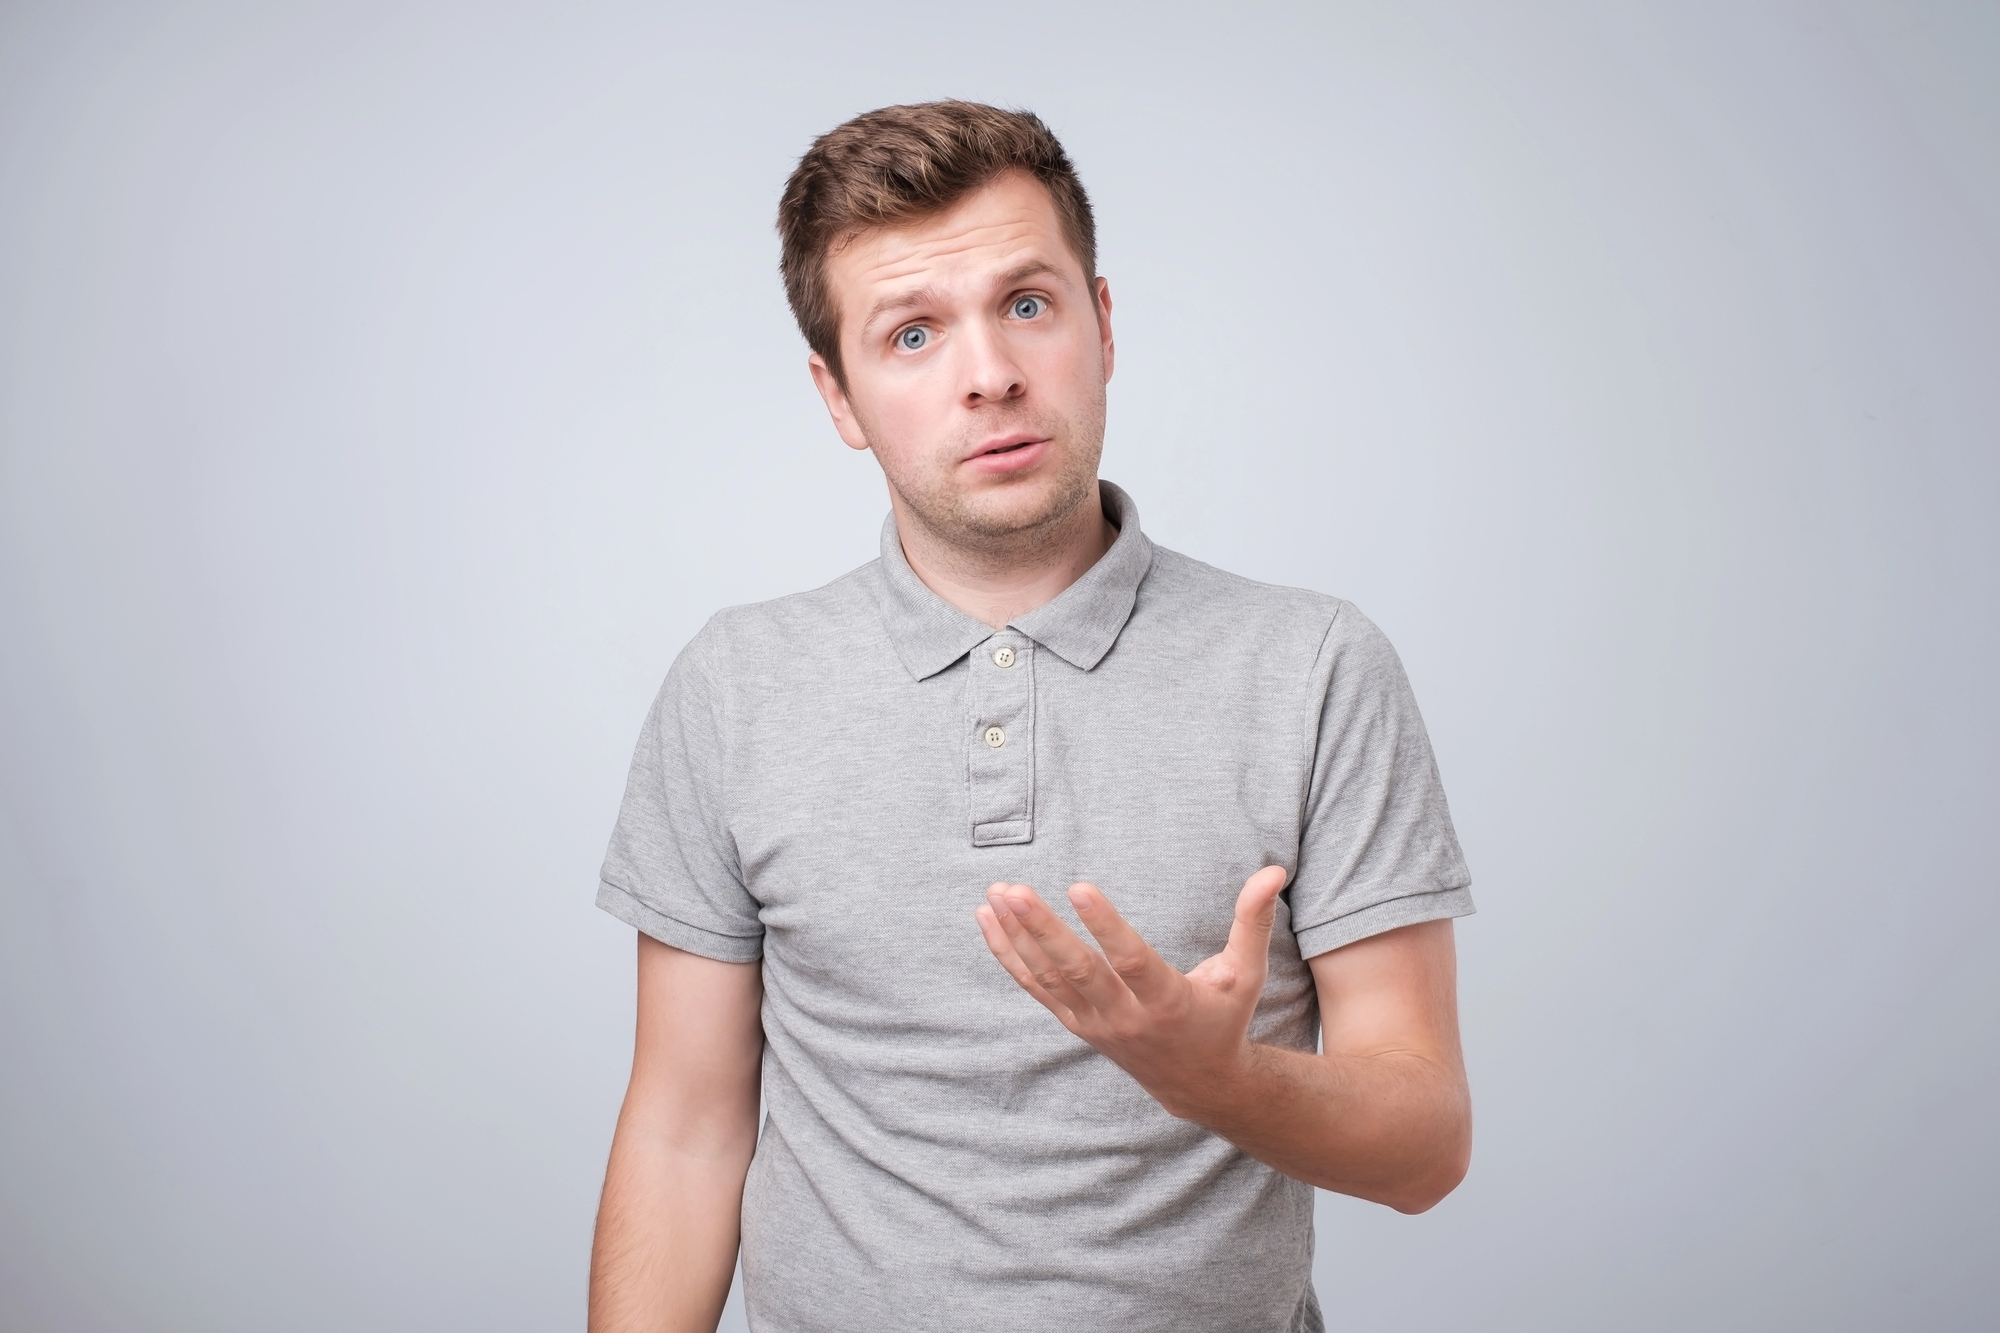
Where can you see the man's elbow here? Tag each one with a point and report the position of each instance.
(1438, 1176)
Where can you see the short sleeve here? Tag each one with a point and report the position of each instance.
(1377, 849)
(672, 868)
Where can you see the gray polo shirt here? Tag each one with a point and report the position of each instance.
(828, 782)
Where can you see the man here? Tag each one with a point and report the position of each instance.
(854, 813)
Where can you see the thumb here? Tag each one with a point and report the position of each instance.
(1249, 944)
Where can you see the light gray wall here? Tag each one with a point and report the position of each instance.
(387, 392)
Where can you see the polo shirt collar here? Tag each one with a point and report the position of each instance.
(1079, 625)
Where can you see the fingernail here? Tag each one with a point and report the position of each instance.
(1018, 906)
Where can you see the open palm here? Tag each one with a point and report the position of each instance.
(1182, 1036)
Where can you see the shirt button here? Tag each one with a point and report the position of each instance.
(1003, 657)
(995, 737)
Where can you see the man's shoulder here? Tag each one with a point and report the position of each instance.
(1191, 592)
(790, 628)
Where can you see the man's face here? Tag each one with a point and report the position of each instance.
(976, 353)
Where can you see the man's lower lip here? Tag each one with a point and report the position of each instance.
(1010, 459)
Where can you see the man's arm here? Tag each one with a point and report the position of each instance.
(1382, 1113)
(667, 1225)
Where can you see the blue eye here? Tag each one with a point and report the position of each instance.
(1029, 306)
(913, 338)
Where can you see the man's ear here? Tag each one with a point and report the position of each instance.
(1102, 290)
(836, 402)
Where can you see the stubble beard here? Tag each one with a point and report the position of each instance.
(1012, 521)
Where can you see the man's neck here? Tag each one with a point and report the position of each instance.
(999, 583)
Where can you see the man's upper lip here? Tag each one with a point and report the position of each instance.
(1007, 442)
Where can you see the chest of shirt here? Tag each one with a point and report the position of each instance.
(863, 796)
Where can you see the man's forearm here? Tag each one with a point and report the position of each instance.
(666, 1229)
(1394, 1127)
(1382, 1115)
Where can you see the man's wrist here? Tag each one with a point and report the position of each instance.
(1219, 1092)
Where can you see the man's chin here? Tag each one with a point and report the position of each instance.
(999, 513)
(979, 523)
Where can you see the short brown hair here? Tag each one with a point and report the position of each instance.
(898, 165)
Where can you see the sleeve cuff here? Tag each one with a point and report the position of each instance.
(667, 930)
(1359, 925)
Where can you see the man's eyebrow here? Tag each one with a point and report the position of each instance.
(900, 301)
(1034, 268)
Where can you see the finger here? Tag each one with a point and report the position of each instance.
(1148, 976)
(1006, 955)
(1249, 947)
(1045, 974)
(1080, 977)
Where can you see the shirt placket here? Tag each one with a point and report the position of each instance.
(1000, 740)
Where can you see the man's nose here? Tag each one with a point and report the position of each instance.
(991, 373)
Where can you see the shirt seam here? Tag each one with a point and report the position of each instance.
(1338, 917)
(1034, 739)
(1310, 724)
(654, 908)
(721, 689)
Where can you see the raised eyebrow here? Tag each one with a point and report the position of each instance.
(889, 305)
(1033, 269)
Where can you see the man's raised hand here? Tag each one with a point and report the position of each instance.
(1184, 1038)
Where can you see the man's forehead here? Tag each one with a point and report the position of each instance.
(976, 250)
(1001, 227)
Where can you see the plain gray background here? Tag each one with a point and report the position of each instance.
(388, 391)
